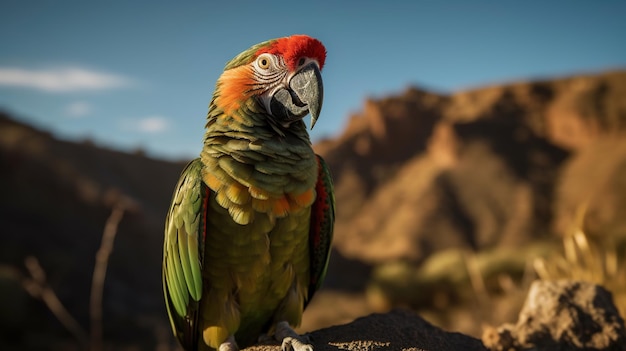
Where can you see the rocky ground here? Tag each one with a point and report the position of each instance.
(396, 330)
(557, 315)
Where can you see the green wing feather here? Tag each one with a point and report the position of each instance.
(321, 228)
(183, 252)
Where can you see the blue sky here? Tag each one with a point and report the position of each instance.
(131, 74)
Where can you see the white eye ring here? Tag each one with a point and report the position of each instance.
(264, 61)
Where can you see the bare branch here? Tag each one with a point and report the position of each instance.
(37, 287)
(99, 274)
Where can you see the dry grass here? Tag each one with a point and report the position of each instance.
(585, 260)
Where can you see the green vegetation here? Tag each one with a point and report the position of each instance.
(490, 286)
(450, 276)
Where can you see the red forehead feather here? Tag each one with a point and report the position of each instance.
(296, 46)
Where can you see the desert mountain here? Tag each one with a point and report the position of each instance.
(415, 173)
(419, 172)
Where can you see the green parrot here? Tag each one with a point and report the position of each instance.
(249, 229)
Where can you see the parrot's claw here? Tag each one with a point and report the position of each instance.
(291, 341)
(229, 345)
(295, 344)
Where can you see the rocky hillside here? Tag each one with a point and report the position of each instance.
(56, 197)
(417, 173)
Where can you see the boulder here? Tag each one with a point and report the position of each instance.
(562, 315)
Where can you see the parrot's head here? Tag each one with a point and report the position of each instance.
(281, 75)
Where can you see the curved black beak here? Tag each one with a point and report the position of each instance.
(304, 95)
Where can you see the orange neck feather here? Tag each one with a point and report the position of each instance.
(235, 85)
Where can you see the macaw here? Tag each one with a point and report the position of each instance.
(248, 233)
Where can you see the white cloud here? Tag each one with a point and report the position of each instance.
(60, 80)
(150, 124)
(154, 124)
(78, 109)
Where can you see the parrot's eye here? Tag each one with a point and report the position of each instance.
(264, 62)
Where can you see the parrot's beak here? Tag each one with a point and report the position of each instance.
(307, 84)
(303, 96)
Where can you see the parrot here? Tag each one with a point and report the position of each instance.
(249, 228)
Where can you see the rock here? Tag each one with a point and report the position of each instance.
(396, 330)
(562, 315)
